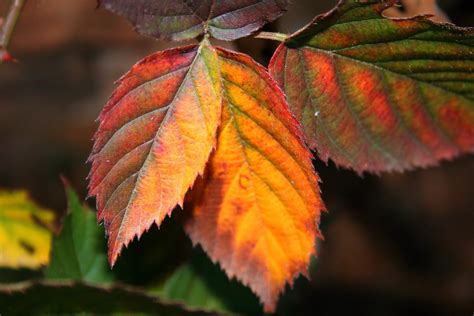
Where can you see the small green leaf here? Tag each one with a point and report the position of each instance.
(188, 286)
(201, 284)
(79, 252)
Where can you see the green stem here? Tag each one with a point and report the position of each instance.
(279, 37)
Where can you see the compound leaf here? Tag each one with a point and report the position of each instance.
(259, 207)
(155, 136)
(378, 94)
(179, 20)
(25, 231)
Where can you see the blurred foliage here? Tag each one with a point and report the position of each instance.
(25, 231)
(79, 254)
(82, 299)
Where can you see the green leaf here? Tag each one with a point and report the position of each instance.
(74, 298)
(378, 94)
(198, 283)
(186, 285)
(79, 252)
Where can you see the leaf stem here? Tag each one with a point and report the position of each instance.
(280, 37)
(8, 26)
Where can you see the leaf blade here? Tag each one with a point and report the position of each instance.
(376, 94)
(198, 283)
(78, 252)
(171, 20)
(25, 231)
(48, 297)
(154, 139)
(260, 204)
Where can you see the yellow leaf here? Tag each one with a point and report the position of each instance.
(25, 231)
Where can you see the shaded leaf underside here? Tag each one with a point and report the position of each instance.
(76, 298)
(182, 19)
(259, 207)
(376, 94)
(25, 231)
(199, 283)
(154, 138)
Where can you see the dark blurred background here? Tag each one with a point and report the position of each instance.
(396, 244)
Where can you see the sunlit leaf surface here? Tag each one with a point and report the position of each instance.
(258, 212)
(376, 94)
(155, 136)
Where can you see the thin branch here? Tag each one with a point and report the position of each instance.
(280, 37)
(7, 28)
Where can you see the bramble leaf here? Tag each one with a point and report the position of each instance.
(258, 211)
(198, 283)
(71, 298)
(78, 251)
(155, 136)
(180, 20)
(25, 231)
(378, 94)
(260, 202)
(188, 287)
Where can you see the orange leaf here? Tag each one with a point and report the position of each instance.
(259, 208)
(155, 136)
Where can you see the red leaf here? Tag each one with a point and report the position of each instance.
(376, 94)
(154, 139)
(259, 207)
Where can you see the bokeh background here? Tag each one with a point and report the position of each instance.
(395, 244)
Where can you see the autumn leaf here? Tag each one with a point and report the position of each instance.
(258, 212)
(25, 231)
(260, 202)
(179, 20)
(378, 94)
(78, 252)
(155, 136)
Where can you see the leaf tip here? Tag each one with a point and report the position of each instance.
(113, 254)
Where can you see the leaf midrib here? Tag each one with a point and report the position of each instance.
(163, 122)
